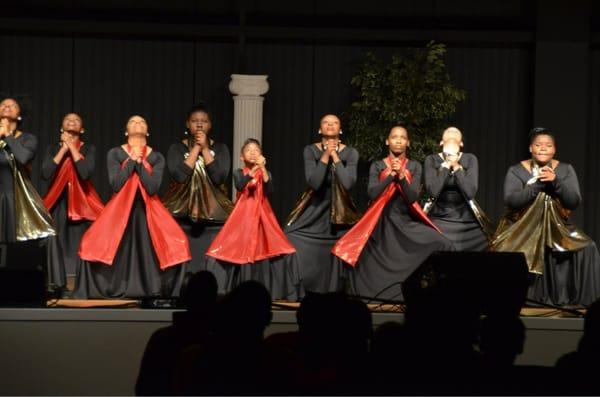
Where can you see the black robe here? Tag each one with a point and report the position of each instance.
(570, 277)
(200, 233)
(399, 243)
(452, 191)
(135, 271)
(69, 232)
(312, 234)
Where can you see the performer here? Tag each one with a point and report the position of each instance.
(394, 236)
(197, 196)
(134, 247)
(451, 179)
(251, 245)
(325, 211)
(23, 216)
(71, 197)
(540, 193)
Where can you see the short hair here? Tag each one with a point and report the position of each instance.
(199, 107)
(399, 125)
(251, 141)
(537, 131)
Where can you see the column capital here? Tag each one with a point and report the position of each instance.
(248, 84)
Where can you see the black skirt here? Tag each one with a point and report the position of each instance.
(279, 275)
(397, 247)
(135, 272)
(570, 278)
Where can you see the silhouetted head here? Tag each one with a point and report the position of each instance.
(199, 291)
(246, 311)
(502, 339)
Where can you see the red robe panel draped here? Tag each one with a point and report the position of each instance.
(251, 232)
(349, 247)
(101, 240)
(83, 202)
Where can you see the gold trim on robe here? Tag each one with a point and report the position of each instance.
(198, 198)
(32, 219)
(343, 211)
(543, 224)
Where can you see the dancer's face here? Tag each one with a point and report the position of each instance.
(542, 149)
(397, 140)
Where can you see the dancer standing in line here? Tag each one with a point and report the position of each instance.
(135, 247)
(394, 236)
(71, 197)
(251, 245)
(451, 180)
(325, 211)
(540, 193)
(197, 196)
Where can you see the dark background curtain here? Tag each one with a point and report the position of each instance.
(113, 60)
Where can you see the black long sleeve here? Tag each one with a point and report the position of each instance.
(48, 164)
(435, 176)
(219, 169)
(84, 167)
(240, 181)
(467, 178)
(517, 194)
(178, 169)
(411, 190)
(314, 171)
(566, 187)
(117, 176)
(23, 148)
(152, 181)
(346, 174)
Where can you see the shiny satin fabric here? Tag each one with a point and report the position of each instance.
(83, 202)
(543, 224)
(32, 219)
(101, 241)
(343, 211)
(252, 232)
(197, 197)
(349, 247)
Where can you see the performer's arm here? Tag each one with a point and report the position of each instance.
(240, 180)
(347, 173)
(219, 168)
(178, 169)
(567, 189)
(516, 194)
(376, 187)
(467, 176)
(48, 164)
(86, 163)
(411, 190)
(117, 176)
(151, 181)
(22, 148)
(434, 177)
(314, 171)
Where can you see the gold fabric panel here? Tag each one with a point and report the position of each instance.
(544, 224)
(32, 219)
(198, 198)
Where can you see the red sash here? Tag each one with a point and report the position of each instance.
(83, 201)
(349, 247)
(101, 241)
(251, 232)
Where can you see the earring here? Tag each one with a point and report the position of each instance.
(19, 118)
(61, 130)
(186, 132)
(319, 132)
(341, 132)
(126, 133)
(82, 131)
(147, 134)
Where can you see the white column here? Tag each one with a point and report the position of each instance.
(247, 110)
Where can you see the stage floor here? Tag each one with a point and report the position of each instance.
(75, 346)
